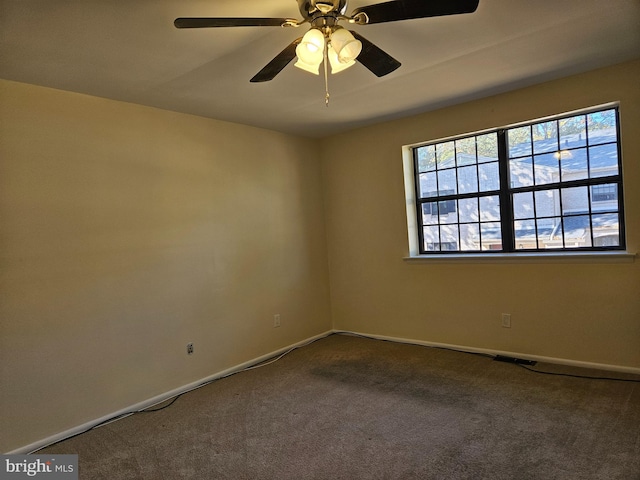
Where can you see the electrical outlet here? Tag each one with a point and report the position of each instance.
(189, 348)
(506, 320)
(276, 320)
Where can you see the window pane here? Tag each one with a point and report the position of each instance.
(491, 235)
(577, 231)
(548, 229)
(574, 164)
(448, 211)
(523, 205)
(444, 155)
(468, 210)
(431, 238)
(470, 237)
(487, 147)
(546, 169)
(519, 142)
(575, 200)
(545, 137)
(602, 127)
(525, 234)
(466, 151)
(603, 160)
(606, 230)
(489, 208)
(447, 182)
(573, 132)
(489, 176)
(521, 172)
(428, 185)
(426, 158)
(449, 237)
(468, 179)
(430, 213)
(547, 203)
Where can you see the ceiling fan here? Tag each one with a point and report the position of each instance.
(328, 42)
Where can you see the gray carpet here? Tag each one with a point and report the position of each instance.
(354, 408)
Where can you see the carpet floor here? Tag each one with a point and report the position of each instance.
(346, 407)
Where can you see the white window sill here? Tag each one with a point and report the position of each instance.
(543, 257)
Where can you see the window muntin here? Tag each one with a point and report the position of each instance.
(549, 185)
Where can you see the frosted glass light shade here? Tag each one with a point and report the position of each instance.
(308, 67)
(336, 65)
(311, 48)
(345, 45)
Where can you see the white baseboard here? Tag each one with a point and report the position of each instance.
(525, 356)
(33, 447)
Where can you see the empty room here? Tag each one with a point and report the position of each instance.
(269, 239)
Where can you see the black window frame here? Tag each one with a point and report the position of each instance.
(506, 192)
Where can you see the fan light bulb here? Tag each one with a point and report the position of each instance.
(345, 45)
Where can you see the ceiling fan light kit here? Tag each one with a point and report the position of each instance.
(341, 47)
(329, 43)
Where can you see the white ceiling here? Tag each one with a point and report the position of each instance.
(129, 50)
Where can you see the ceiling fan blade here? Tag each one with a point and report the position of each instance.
(375, 59)
(276, 65)
(190, 22)
(409, 9)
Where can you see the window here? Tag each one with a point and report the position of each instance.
(546, 185)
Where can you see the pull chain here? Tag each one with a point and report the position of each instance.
(326, 73)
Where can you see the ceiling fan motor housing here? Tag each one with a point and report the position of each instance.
(311, 8)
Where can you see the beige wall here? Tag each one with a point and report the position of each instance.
(127, 232)
(582, 311)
